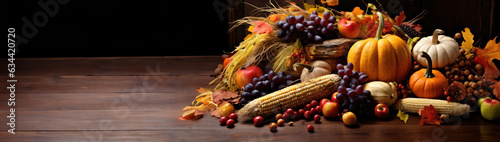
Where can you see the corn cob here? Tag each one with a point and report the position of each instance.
(294, 96)
(441, 106)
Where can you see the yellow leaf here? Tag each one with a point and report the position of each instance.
(402, 116)
(250, 28)
(468, 42)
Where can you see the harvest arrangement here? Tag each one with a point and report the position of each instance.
(305, 63)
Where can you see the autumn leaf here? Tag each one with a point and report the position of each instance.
(357, 11)
(330, 2)
(402, 116)
(496, 88)
(219, 96)
(262, 28)
(372, 25)
(485, 58)
(400, 18)
(429, 116)
(468, 42)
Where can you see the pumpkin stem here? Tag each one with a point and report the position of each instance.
(308, 67)
(380, 26)
(428, 73)
(435, 36)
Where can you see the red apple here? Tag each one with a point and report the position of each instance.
(334, 97)
(323, 101)
(245, 76)
(490, 108)
(331, 109)
(381, 110)
(349, 28)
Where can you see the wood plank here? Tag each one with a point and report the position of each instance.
(110, 66)
(101, 101)
(132, 118)
(294, 133)
(103, 84)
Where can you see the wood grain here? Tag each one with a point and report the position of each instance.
(105, 99)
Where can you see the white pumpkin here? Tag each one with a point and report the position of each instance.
(443, 50)
(383, 92)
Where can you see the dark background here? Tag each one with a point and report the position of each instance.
(94, 28)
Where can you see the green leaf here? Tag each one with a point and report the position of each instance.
(411, 42)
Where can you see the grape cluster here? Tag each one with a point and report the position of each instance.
(264, 85)
(312, 30)
(351, 94)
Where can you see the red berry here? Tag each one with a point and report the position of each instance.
(310, 128)
(289, 111)
(313, 111)
(258, 120)
(301, 112)
(317, 118)
(448, 98)
(308, 106)
(222, 120)
(319, 110)
(314, 103)
(295, 115)
(233, 116)
(230, 123)
(308, 115)
(446, 93)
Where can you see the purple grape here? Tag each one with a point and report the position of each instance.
(326, 15)
(341, 89)
(354, 82)
(350, 66)
(299, 27)
(275, 80)
(341, 72)
(311, 29)
(345, 105)
(315, 13)
(363, 78)
(259, 86)
(248, 87)
(348, 72)
(355, 74)
(346, 78)
(332, 19)
(255, 93)
(245, 95)
(323, 22)
(286, 26)
(262, 78)
(300, 18)
(267, 84)
(351, 94)
(310, 23)
(255, 80)
(280, 24)
(271, 74)
(292, 28)
(281, 33)
(324, 31)
(290, 19)
(341, 97)
(340, 67)
(359, 89)
(318, 39)
(317, 21)
(281, 79)
(367, 93)
(330, 27)
(343, 83)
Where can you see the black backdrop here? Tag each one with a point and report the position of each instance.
(118, 28)
(93, 28)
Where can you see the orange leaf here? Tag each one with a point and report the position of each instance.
(485, 58)
(262, 27)
(400, 18)
(496, 88)
(219, 96)
(330, 2)
(429, 116)
(202, 90)
(276, 17)
(357, 11)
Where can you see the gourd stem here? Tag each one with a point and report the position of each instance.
(435, 36)
(308, 67)
(380, 26)
(428, 73)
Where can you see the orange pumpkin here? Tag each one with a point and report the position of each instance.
(428, 83)
(384, 58)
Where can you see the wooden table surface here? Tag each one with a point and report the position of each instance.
(140, 99)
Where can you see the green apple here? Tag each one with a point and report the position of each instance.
(480, 101)
(490, 109)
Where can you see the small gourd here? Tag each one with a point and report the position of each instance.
(428, 83)
(316, 69)
(443, 50)
(383, 92)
